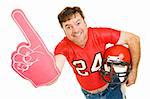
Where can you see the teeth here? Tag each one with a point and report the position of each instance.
(77, 34)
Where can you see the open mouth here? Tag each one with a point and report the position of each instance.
(78, 34)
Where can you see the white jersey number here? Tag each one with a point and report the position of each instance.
(95, 65)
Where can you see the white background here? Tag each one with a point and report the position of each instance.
(128, 15)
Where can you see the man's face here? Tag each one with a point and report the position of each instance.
(76, 29)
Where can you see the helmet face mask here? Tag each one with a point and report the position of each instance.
(116, 67)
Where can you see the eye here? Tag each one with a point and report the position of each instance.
(78, 22)
(68, 27)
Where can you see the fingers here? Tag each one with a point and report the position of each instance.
(30, 34)
(127, 84)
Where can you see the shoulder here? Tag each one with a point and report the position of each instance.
(63, 43)
(97, 31)
(61, 47)
(101, 29)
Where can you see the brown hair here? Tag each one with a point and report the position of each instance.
(67, 13)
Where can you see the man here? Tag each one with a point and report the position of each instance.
(82, 45)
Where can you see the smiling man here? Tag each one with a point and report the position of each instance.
(84, 47)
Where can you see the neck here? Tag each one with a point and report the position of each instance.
(83, 43)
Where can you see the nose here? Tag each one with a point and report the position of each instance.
(75, 29)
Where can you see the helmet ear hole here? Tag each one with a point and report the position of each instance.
(121, 56)
(116, 64)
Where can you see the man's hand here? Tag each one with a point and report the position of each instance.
(131, 78)
(32, 60)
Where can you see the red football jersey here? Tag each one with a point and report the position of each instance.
(87, 61)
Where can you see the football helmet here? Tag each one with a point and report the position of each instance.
(116, 64)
